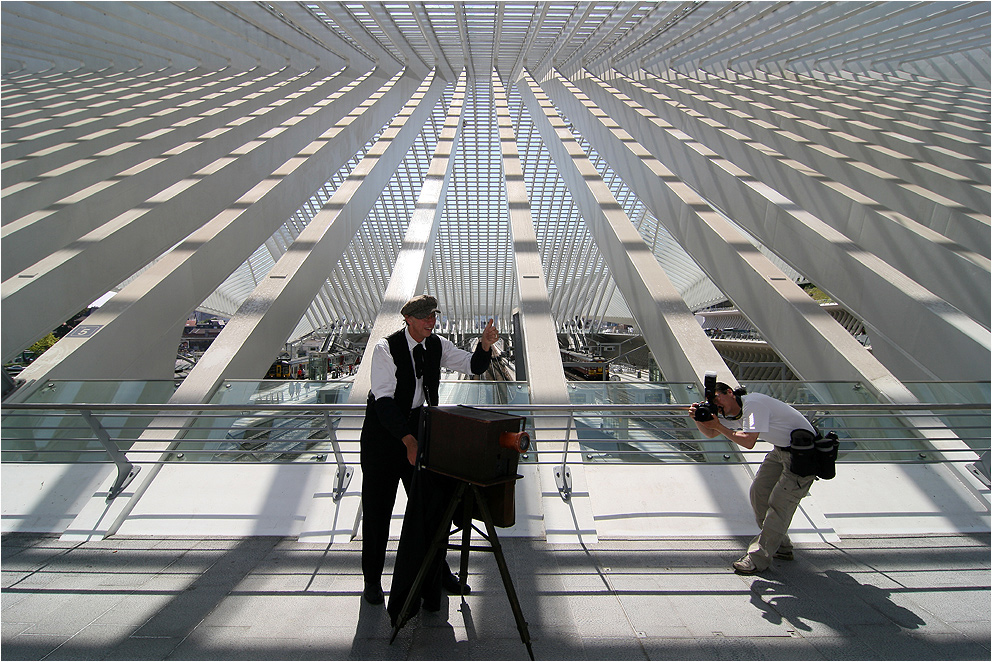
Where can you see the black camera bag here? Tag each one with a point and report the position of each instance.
(826, 455)
(813, 454)
(803, 450)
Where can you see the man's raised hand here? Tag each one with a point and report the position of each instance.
(489, 335)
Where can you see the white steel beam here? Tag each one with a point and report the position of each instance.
(786, 316)
(141, 325)
(957, 273)
(249, 341)
(52, 208)
(246, 346)
(410, 271)
(153, 219)
(789, 134)
(866, 285)
(408, 278)
(571, 519)
(683, 351)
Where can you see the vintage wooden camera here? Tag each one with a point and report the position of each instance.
(478, 446)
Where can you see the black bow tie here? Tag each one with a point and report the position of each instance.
(418, 359)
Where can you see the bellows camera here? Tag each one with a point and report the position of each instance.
(707, 409)
(478, 446)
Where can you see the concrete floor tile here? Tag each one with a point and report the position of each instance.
(954, 647)
(136, 608)
(617, 599)
(890, 643)
(90, 642)
(30, 646)
(143, 648)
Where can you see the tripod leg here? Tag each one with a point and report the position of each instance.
(504, 572)
(466, 538)
(440, 538)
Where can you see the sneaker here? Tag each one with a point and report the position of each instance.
(786, 555)
(745, 566)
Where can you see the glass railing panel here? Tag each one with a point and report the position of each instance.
(636, 435)
(260, 435)
(640, 393)
(950, 393)
(56, 438)
(273, 436)
(612, 433)
(971, 429)
(806, 393)
(473, 392)
(670, 436)
(860, 435)
(290, 391)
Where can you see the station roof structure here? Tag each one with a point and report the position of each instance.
(302, 166)
(298, 165)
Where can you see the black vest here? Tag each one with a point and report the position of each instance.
(406, 378)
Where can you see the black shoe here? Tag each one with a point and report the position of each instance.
(373, 594)
(433, 603)
(451, 586)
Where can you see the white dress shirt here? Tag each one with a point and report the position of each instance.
(384, 368)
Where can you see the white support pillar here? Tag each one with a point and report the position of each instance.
(786, 316)
(141, 325)
(564, 493)
(249, 341)
(408, 278)
(246, 346)
(866, 285)
(671, 331)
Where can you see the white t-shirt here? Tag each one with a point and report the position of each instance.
(383, 369)
(772, 419)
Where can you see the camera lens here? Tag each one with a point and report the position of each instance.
(704, 411)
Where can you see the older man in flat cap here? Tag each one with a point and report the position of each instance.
(406, 372)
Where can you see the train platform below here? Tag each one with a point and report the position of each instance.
(923, 597)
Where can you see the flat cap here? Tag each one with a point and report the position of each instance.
(420, 307)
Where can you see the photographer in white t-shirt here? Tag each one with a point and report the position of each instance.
(776, 490)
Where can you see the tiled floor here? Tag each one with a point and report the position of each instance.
(921, 598)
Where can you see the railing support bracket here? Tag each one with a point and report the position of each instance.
(342, 478)
(563, 478)
(125, 470)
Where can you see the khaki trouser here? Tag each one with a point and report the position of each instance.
(775, 495)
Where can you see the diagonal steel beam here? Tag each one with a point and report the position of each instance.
(671, 331)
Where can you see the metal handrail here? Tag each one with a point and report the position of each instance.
(265, 406)
(111, 436)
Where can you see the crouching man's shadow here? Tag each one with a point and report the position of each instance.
(799, 604)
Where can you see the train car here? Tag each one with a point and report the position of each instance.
(280, 369)
(585, 367)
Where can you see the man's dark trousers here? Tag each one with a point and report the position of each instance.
(384, 465)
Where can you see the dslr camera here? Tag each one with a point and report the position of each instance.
(707, 409)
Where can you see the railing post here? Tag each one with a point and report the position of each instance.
(343, 474)
(981, 469)
(125, 470)
(563, 475)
